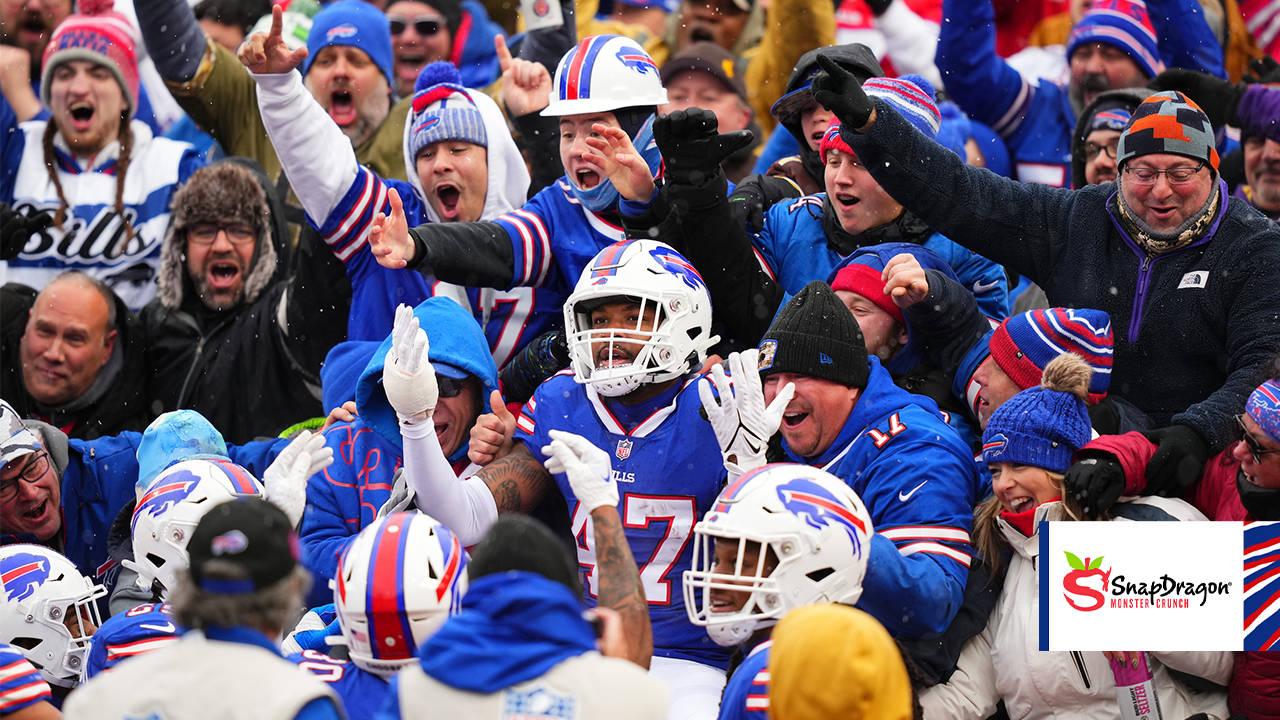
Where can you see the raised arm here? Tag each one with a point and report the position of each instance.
(173, 37)
(977, 78)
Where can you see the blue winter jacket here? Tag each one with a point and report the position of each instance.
(478, 63)
(1036, 118)
(98, 479)
(919, 483)
(345, 497)
(794, 245)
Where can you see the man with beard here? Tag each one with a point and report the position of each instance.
(229, 334)
(347, 70)
(1116, 44)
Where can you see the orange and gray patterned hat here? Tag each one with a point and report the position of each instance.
(1168, 122)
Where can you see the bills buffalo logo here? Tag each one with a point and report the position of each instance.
(994, 446)
(623, 450)
(21, 574)
(678, 266)
(429, 122)
(637, 60)
(229, 543)
(820, 509)
(345, 30)
(165, 494)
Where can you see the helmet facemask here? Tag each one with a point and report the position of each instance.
(751, 573)
(53, 624)
(649, 349)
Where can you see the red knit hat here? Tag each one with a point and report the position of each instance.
(100, 35)
(866, 281)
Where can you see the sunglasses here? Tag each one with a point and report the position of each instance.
(449, 387)
(425, 25)
(1255, 447)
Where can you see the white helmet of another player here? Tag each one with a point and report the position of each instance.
(602, 73)
(780, 537)
(663, 286)
(167, 514)
(395, 585)
(49, 610)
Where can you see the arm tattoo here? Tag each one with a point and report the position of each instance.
(518, 481)
(620, 586)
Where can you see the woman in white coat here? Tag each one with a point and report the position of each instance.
(1028, 445)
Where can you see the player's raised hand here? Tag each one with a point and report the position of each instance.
(742, 423)
(492, 437)
(526, 86)
(759, 420)
(407, 377)
(586, 466)
(266, 53)
(285, 481)
(617, 159)
(904, 280)
(389, 239)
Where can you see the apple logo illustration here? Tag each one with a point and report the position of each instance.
(1081, 571)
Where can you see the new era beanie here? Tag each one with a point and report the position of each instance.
(1024, 345)
(1168, 122)
(815, 335)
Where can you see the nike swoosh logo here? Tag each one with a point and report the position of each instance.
(907, 496)
(165, 628)
(979, 287)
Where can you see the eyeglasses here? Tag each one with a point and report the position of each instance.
(206, 233)
(425, 25)
(1176, 176)
(1255, 447)
(1091, 150)
(36, 467)
(449, 387)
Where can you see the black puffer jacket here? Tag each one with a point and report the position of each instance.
(1193, 328)
(253, 370)
(122, 406)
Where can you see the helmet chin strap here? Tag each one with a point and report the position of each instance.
(736, 633)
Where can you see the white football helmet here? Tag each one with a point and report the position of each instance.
(167, 514)
(605, 72)
(47, 605)
(814, 526)
(655, 276)
(395, 585)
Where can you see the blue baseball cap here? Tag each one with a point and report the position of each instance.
(355, 23)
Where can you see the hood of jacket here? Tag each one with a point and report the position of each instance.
(1134, 96)
(342, 369)
(476, 58)
(174, 437)
(853, 57)
(271, 258)
(877, 256)
(455, 339)
(508, 187)
(514, 627)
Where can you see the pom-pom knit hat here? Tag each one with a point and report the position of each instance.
(443, 110)
(1042, 427)
(1120, 23)
(100, 35)
(1023, 345)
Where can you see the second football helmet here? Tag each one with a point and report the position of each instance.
(808, 521)
(49, 610)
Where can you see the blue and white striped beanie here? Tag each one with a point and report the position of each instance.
(910, 95)
(443, 110)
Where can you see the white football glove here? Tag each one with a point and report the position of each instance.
(588, 468)
(742, 423)
(401, 496)
(285, 480)
(407, 377)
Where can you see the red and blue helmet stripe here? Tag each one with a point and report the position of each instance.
(242, 483)
(389, 632)
(575, 81)
(455, 560)
(608, 261)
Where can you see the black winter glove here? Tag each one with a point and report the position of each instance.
(1218, 98)
(1180, 457)
(756, 194)
(839, 91)
(1097, 482)
(1262, 70)
(691, 146)
(16, 229)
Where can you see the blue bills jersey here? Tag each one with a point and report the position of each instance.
(669, 471)
(142, 629)
(746, 696)
(361, 691)
(21, 684)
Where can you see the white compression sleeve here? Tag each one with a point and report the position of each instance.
(464, 506)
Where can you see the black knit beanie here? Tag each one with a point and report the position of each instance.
(519, 542)
(816, 335)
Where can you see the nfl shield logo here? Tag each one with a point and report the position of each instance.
(624, 449)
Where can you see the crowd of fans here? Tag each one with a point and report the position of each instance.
(681, 358)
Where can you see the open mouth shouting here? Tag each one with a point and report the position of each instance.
(449, 196)
(81, 116)
(587, 179)
(408, 64)
(613, 356)
(342, 107)
(223, 274)
(794, 418)
(1020, 504)
(845, 201)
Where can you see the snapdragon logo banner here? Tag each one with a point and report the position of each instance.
(1162, 586)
